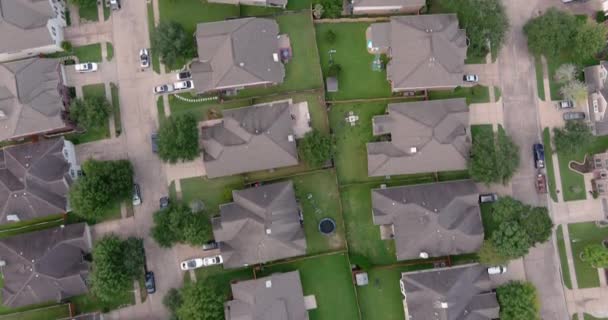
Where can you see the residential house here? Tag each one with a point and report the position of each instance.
(35, 179)
(253, 138)
(386, 6)
(264, 3)
(597, 88)
(276, 297)
(30, 27)
(238, 53)
(429, 220)
(33, 98)
(262, 224)
(425, 51)
(424, 136)
(458, 293)
(600, 173)
(45, 266)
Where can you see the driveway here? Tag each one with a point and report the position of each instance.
(521, 119)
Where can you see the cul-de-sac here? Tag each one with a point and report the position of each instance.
(304, 159)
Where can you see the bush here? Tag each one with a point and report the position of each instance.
(91, 112)
(201, 301)
(316, 148)
(565, 73)
(518, 301)
(596, 255)
(66, 46)
(178, 138)
(330, 36)
(334, 70)
(178, 224)
(600, 16)
(330, 8)
(510, 240)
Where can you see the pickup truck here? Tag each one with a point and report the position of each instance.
(541, 183)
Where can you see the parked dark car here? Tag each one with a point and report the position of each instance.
(539, 155)
(574, 116)
(184, 75)
(488, 198)
(210, 245)
(150, 283)
(154, 142)
(164, 202)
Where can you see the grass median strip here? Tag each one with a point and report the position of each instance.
(549, 164)
(563, 257)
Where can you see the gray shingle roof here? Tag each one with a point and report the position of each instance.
(30, 97)
(45, 265)
(426, 136)
(250, 139)
(427, 51)
(33, 180)
(261, 225)
(28, 19)
(276, 297)
(236, 53)
(439, 218)
(456, 293)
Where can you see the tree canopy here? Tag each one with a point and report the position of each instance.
(90, 112)
(178, 223)
(173, 44)
(200, 301)
(494, 157)
(517, 301)
(103, 184)
(572, 138)
(574, 90)
(596, 255)
(115, 264)
(172, 301)
(178, 138)
(329, 8)
(537, 224)
(510, 240)
(316, 148)
(485, 21)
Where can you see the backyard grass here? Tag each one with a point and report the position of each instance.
(329, 279)
(476, 94)
(259, 11)
(573, 183)
(95, 133)
(88, 53)
(116, 109)
(212, 192)
(582, 235)
(88, 14)
(109, 51)
(190, 12)
(45, 313)
(549, 163)
(154, 57)
(563, 258)
(356, 80)
(540, 84)
(383, 292)
(89, 303)
(221, 278)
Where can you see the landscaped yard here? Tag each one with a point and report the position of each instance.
(160, 108)
(221, 278)
(88, 53)
(573, 183)
(549, 163)
(329, 279)
(582, 235)
(476, 94)
(190, 12)
(97, 133)
(563, 258)
(212, 192)
(356, 80)
(89, 14)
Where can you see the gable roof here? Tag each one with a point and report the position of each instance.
(262, 224)
(45, 265)
(276, 297)
(596, 79)
(427, 51)
(34, 180)
(30, 98)
(426, 136)
(250, 139)
(236, 53)
(439, 218)
(28, 19)
(456, 293)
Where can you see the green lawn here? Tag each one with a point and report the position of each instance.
(88, 53)
(116, 108)
(109, 51)
(573, 183)
(549, 163)
(96, 133)
(329, 279)
(46, 313)
(563, 258)
(221, 278)
(476, 94)
(383, 293)
(212, 192)
(89, 14)
(259, 11)
(582, 235)
(160, 107)
(154, 57)
(190, 12)
(357, 80)
(552, 64)
(299, 5)
(89, 303)
(540, 84)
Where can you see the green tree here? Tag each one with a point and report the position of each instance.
(574, 90)
(482, 163)
(537, 224)
(510, 240)
(133, 251)
(507, 156)
(507, 209)
(551, 33)
(595, 255)
(489, 256)
(329, 8)
(201, 301)
(589, 39)
(91, 112)
(172, 43)
(103, 185)
(178, 138)
(172, 301)
(574, 137)
(110, 276)
(485, 21)
(179, 224)
(565, 73)
(316, 148)
(518, 301)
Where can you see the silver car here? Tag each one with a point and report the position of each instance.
(144, 58)
(574, 116)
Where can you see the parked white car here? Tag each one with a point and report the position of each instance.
(183, 85)
(470, 78)
(201, 262)
(212, 261)
(165, 88)
(86, 67)
(144, 58)
(497, 270)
